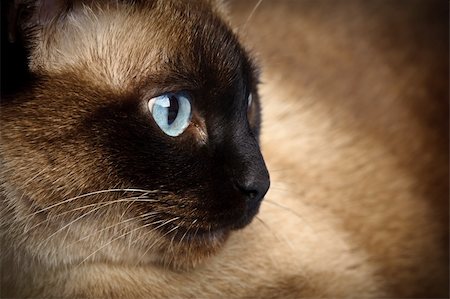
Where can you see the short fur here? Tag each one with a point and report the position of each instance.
(353, 211)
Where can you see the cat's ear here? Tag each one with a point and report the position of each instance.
(25, 15)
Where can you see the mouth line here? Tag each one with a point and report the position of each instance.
(205, 232)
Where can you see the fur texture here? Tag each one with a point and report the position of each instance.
(354, 136)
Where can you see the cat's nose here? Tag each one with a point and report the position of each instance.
(247, 171)
(254, 187)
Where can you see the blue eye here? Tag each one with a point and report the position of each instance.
(171, 112)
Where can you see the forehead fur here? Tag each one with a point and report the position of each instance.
(121, 45)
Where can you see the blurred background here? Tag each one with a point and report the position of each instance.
(365, 90)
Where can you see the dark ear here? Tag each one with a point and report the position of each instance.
(24, 15)
(18, 20)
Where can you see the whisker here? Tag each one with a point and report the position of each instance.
(159, 226)
(35, 176)
(196, 231)
(187, 230)
(31, 180)
(68, 225)
(286, 190)
(127, 233)
(94, 193)
(87, 213)
(281, 169)
(102, 204)
(273, 233)
(250, 16)
(155, 242)
(283, 207)
(127, 208)
(291, 211)
(111, 226)
(171, 241)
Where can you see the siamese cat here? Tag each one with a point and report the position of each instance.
(132, 164)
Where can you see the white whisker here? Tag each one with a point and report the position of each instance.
(292, 212)
(156, 242)
(113, 225)
(159, 226)
(250, 16)
(123, 235)
(273, 233)
(187, 230)
(94, 193)
(99, 205)
(67, 225)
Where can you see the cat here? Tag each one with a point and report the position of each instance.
(131, 163)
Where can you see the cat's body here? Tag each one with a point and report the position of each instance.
(353, 134)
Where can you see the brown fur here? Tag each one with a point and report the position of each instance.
(354, 134)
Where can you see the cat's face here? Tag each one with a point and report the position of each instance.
(156, 103)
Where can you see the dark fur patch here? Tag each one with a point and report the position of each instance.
(94, 138)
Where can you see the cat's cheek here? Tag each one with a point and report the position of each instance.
(198, 130)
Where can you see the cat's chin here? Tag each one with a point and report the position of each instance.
(191, 249)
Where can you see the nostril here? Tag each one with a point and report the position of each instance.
(253, 189)
(252, 194)
(249, 192)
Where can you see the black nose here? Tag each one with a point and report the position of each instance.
(254, 188)
(245, 166)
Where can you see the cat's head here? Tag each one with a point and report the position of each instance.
(137, 139)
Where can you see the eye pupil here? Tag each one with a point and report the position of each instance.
(173, 110)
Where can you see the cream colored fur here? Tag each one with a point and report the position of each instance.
(345, 216)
